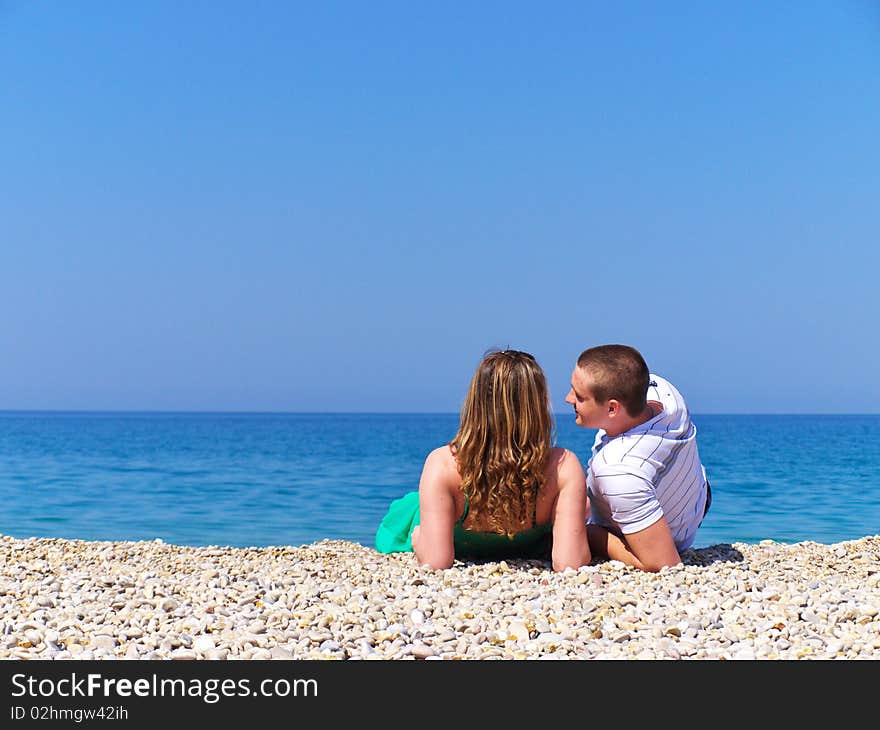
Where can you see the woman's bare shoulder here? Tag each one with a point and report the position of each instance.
(560, 455)
(565, 461)
(441, 463)
(441, 456)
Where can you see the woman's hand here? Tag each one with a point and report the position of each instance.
(414, 538)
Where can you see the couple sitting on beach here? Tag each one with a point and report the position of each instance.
(500, 489)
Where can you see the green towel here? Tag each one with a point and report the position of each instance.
(395, 529)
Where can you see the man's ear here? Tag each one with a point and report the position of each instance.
(613, 407)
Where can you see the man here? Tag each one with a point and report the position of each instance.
(647, 488)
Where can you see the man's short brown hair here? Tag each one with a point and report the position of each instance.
(619, 372)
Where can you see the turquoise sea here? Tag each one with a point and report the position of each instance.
(289, 479)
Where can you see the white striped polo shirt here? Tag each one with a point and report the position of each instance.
(650, 471)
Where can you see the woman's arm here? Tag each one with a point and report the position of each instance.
(432, 539)
(571, 549)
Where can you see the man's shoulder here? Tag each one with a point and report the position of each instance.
(623, 444)
(628, 454)
(676, 415)
(660, 386)
(618, 477)
(618, 454)
(662, 389)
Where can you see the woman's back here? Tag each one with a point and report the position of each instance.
(473, 536)
(554, 528)
(540, 497)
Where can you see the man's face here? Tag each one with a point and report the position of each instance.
(588, 413)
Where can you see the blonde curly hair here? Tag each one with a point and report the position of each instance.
(504, 439)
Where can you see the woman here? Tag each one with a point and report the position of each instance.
(499, 488)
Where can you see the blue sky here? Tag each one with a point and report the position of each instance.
(278, 206)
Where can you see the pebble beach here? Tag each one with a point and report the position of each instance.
(335, 600)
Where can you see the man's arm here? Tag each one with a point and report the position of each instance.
(650, 549)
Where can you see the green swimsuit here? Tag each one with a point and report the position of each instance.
(395, 529)
(534, 542)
